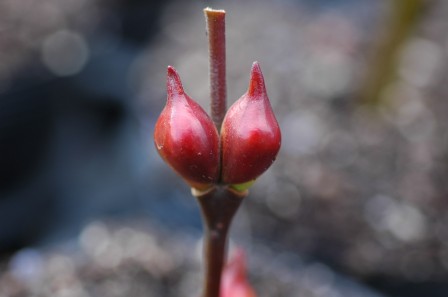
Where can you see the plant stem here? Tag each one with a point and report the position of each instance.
(218, 207)
(215, 20)
(403, 18)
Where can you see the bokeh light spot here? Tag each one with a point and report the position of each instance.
(65, 52)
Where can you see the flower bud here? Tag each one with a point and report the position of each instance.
(250, 135)
(186, 138)
(234, 281)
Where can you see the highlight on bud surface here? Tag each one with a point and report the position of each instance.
(234, 280)
(186, 138)
(250, 135)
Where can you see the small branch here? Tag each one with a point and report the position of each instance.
(215, 20)
(218, 207)
(404, 16)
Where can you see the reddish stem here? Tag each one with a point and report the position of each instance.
(218, 207)
(215, 20)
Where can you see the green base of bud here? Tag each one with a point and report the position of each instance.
(243, 187)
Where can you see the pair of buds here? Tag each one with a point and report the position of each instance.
(188, 140)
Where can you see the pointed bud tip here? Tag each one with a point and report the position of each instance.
(171, 72)
(239, 257)
(234, 281)
(256, 66)
(237, 264)
(173, 82)
(256, 84)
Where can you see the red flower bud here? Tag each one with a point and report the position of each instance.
(250, 134)
(234, 281)
(186, 138)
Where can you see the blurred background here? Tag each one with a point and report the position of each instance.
(355, 205)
